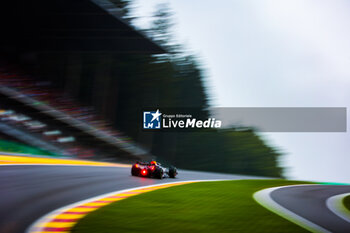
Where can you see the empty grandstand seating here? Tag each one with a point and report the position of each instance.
(43, 96)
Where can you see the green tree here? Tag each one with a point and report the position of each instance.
(176, 80)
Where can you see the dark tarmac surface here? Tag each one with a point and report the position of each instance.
(29, 192)
(309, 202)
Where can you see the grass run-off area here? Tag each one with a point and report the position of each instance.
(346, 201)
(223, 206)
(15, 147)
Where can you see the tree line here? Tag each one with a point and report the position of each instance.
(177, 80)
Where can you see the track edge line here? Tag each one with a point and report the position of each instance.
(33, 228)
(263, 197)
(335, 204)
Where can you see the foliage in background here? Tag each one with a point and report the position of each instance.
(15, 147)
(123, 5)
(177, 80)
(227, 150)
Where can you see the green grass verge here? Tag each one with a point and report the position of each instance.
(15, 147)
(225, 206)
(346, 202)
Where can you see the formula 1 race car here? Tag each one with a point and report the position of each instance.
(153, 169)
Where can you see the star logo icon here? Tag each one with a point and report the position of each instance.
(156, 115)
(152, 119)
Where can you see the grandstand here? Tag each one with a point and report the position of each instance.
(59, 80)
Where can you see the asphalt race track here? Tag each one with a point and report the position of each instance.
(27, 192)
(309, 202)
(31, 191)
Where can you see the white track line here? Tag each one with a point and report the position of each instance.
(336, 205)
(263, 197)
(33, 227)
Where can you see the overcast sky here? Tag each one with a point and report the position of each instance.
(274, 53)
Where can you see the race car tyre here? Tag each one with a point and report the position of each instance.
(172, 172)
(159, 173)
(135, 171)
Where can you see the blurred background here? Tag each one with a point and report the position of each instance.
(75, 76)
